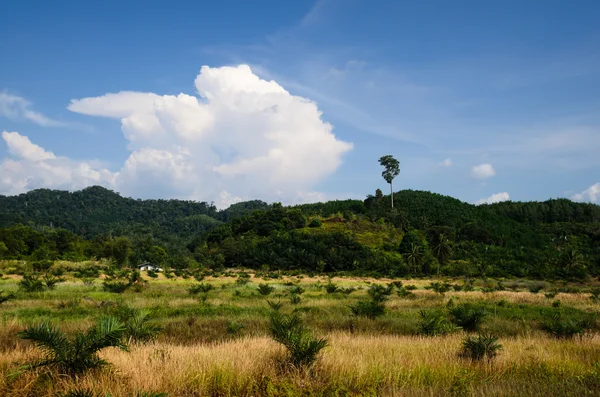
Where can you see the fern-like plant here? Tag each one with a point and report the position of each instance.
(302, 347)
(479, 347)
(78, 354)
(563, 326)
(370, 309)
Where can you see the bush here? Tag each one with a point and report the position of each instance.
(295, 299)
(440, 288)
(31, 283)
(331, 288)
(203, 287)
(117, 287)
(564, 326)
(4, 297)
(265, 289)
(595, 294)
(404, 293)
(316, 222)
(434, 322)
(296, 290)
(370, 309)
(534, 289)
(302, 347)
(479, 347)
(379, 293)
(467, 316)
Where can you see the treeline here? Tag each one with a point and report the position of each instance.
(97, 211)
(425, 234)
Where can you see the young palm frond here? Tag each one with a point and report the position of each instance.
(434, 323)
(265, 289)
(137, 328)
(479, 347)
(302, 347)
(78, 354)
(467, 316)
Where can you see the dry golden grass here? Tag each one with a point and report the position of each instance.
(353, 364)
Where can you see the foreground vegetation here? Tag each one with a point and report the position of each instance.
(240, 333)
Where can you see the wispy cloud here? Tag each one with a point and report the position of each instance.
(18, 108)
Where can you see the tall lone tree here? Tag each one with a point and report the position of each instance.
(392, 169)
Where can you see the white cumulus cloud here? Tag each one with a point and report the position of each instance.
(33, 167)
(15, 108)
(482, 171)
(241, 137)
(494, 198)
(591, 194)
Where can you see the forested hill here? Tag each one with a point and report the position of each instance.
(97, 211)
(426, 233)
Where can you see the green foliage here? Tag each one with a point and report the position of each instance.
(294, 299)
(316, 222)
(440, 288)
(296, 290)
(564, 326)
(265, 289)
(197, 288)
(434, 322)
(78, 354)
(234, 327)
(468, 316)
(379, 293)
(595, 294)
(276, 306)
(5, 297)
(480, 347)
(31, 283)
(331, 288)
(138, 328)
(370, 309)
(302, 347)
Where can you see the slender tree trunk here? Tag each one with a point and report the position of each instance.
(392, 194)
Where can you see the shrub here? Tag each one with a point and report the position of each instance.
(440, 288)
(534, 289)
(467, 316)
(370, 309)
(434, 322)
(78, 354)
(347, 290)
(404, 293)
(295, 299)
(315, 223)
(4, 297)
(302, 347)
(196, 289)
(50, 281)
(31, 283)
(234, 327)
(556, 303)
(595, 294)
(479, 347)
(379, 293)
(265, 289)
(564, 326)
(297, 290)
(550, 294)
(410, 287)
(331, 288)
(117, 287)
(276, 306)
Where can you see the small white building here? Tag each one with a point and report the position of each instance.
(144, 267)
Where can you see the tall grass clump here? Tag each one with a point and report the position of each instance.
(303, 349)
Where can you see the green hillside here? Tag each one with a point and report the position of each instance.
(426, 233)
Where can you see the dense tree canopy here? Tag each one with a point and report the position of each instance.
(425, 234)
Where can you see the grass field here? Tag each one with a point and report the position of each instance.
(218, 343)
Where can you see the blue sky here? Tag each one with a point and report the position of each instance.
(478, 100)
